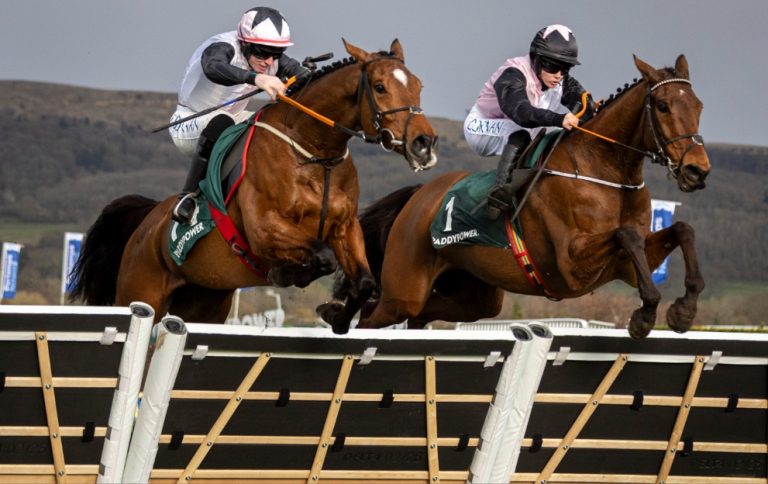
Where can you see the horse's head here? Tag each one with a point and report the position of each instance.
(673, 111)
(389, 96)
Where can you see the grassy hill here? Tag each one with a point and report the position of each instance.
(67, 151)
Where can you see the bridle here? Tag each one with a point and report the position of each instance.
(384, 136)
(660, 156)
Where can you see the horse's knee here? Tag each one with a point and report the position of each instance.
(323, 259)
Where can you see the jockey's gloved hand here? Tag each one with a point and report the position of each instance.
(269, 84)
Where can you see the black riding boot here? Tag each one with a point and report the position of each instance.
(501, 196)
(187, 203)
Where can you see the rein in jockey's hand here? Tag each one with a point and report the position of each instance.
(269, 84)
(570, 121)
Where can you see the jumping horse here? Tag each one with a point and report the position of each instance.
(296, 207)
(585, 223)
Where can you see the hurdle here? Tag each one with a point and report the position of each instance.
(526, 403)
(672, 408)
(303, 405)
(69, 382)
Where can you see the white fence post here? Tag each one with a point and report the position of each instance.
(169, 349)
(126, 395)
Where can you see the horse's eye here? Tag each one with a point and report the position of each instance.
(380, 88)
(662, 107)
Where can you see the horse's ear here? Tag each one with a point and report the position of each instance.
(397, 50)
(648, 71)
(681, 67)
(356, 52)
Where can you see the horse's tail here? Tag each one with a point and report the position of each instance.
(376, 222)
(96, 269)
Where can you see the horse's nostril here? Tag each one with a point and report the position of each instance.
(421, 144)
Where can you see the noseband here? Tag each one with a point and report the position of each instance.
(660, 156)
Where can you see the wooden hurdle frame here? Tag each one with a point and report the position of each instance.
(246, 404)
(704, 396)
(506, 366)
(39, 347)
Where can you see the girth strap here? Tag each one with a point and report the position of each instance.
(237, 243)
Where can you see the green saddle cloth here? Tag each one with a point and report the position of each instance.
(462, 219)
(182, 237)
(462, 216)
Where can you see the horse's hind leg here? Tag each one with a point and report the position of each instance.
(458, 296)
(643, 318)
(658, 245)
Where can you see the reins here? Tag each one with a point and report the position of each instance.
(384, 136)
(659, 156)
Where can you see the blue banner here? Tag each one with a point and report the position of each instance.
(661, 218)
(10, 269)
(73, 241)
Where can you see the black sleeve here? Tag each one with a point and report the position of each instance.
(217, 68)
(513, 100)
(572, 91)
(288, 67)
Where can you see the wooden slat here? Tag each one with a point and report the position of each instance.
(589, 408)
(60, 382)
(330, 419)
(528, 478)
(651, 400)
(309, 440)
(9, 431)
(620, 444)
(430, 386)
(49, 397)
(682, 417)
(325, 397)
(225, 416)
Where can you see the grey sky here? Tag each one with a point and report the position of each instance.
(453, 46)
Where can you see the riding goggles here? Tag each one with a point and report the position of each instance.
(261, 52)
(554, 67)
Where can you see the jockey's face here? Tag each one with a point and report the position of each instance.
(260, 57)
(260, 65)
(550, 80)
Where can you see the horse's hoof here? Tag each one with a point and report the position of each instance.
(328, 311)
(640, 325)
(680, 317)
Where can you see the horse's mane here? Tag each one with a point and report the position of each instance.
(327, 69)
(621, 90)
(324, 71)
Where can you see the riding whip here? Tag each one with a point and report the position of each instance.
(310, 63)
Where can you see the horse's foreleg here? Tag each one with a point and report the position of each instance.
(644, 318)
(349, 247)
(294, 257)
(658, 246)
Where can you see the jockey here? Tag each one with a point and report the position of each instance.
(224, 67)
(524, 95)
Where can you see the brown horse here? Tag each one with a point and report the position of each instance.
(580, 232)
(296, 206)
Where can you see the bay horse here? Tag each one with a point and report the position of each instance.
(586, 222)
(296, 206)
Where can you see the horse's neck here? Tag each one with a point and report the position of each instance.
(335, 101)
(623, 121)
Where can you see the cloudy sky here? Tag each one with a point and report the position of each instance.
(453, 46)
